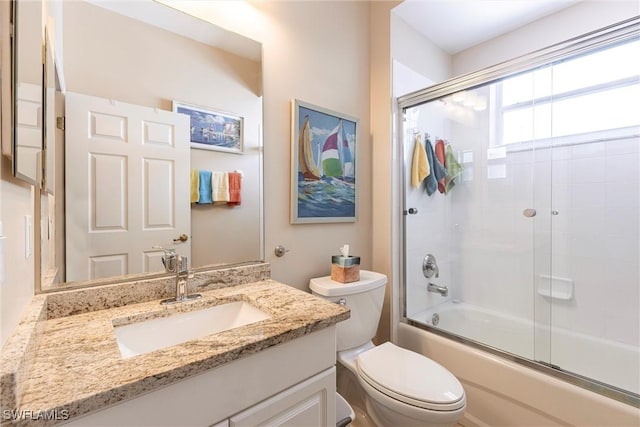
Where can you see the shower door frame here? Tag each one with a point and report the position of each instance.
(601, 38)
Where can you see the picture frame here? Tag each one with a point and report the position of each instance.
(213, 130)
(323, 165)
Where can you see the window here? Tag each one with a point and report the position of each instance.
(597, 92)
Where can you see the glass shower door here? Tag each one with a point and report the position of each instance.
(483, 229)
(535, 232)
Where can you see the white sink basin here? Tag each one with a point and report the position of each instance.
(150, 335)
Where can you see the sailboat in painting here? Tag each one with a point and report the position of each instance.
(307, 166)
(336, 159)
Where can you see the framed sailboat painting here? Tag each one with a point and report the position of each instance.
(323, 165)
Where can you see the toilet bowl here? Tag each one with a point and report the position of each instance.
(402, 388)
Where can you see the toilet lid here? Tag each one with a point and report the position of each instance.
(410, 377)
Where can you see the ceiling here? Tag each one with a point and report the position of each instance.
(456, 25)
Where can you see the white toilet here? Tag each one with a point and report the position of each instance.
(403, 388)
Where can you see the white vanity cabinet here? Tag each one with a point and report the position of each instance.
(290, 384)
(305, 404)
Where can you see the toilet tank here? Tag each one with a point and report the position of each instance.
(364, 298)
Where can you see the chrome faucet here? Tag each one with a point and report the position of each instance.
(442, 290)
(169, 258)
(429, 269)
(178, 264)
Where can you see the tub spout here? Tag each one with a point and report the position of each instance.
(442, 290)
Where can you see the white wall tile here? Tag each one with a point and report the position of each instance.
(623, 146)
(622, 169)
(596, 149)
(587, 170)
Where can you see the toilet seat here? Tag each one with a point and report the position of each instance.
(410, 378)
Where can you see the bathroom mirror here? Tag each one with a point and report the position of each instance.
(27, 90)
(144, 56)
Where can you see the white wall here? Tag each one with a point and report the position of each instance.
(574, 21)
(428, 60)
(385, 177)
(317, 52)
(433, 65)
(16, 201)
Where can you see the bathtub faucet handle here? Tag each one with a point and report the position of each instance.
(430, 267)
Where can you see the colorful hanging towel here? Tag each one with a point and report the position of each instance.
(454, 169)
(437, 170)
(442, 159)
(195, 184)
(235, 186)
(220, 187)
(419, 165)
(204, 187)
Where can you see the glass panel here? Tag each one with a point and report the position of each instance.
(536, 243)
(483, 243)
(594, 292)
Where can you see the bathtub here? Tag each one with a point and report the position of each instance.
(605, 361)
(502, 391)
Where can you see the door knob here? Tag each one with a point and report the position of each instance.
(183, 238)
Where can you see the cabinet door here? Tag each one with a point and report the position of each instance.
(310, 403)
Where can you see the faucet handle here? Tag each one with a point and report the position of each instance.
(430, 266)
(183, 264)
(169, 257)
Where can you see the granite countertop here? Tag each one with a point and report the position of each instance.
(72, 364)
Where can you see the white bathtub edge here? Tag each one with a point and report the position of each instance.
(502, 392)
